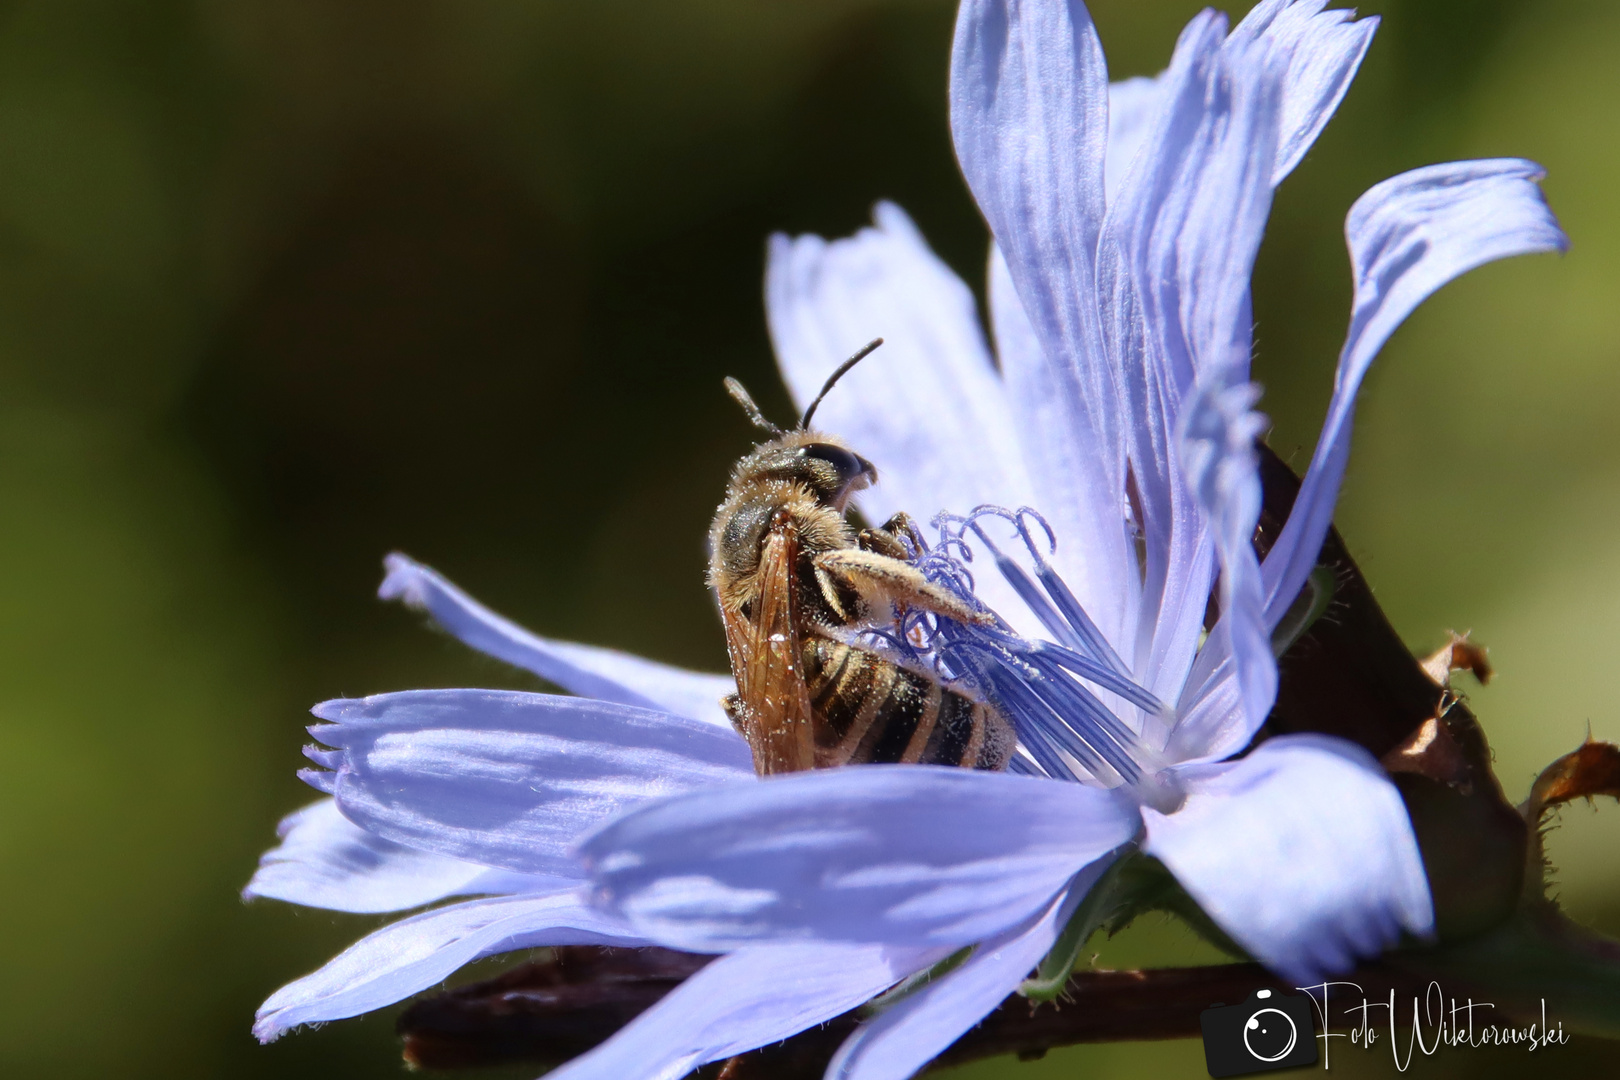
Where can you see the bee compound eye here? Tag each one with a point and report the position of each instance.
(849, 465)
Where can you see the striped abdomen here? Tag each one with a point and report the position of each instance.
(867, 710)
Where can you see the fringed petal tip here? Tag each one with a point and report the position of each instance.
(1408, 236)
(326, 759)
(334, 711)
(267, 1031)
(605, 674)
(322, 780)
(510, 779)
(1326, 49)
(405, 580)
(415, 953)
(326, 861)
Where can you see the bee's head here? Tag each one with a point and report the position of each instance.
(820, 462)
(814, 460)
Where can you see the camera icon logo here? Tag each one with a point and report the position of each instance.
(1269, 1031)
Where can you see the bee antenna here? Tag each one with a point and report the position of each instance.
(755, 417)
(832, 380)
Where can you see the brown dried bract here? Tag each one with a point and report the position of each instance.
(1591, 769)
(1458, 654)
(1430, 751)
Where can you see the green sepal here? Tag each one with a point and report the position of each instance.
(1146, 885)
(915, 982)
(1134, 884)
(1311, 604)
(1095, 907)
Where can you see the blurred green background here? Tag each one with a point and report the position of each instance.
(286, 285)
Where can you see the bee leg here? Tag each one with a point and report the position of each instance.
(903, 525)
(881, 580)
(882, 542)
(891, 539)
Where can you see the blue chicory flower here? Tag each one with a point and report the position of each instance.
(1125, 221)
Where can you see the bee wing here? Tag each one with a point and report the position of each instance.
(766, 659)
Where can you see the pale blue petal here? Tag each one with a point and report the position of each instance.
(1216, 725)
(1218, 453)
(1302, 852)
(905, 854)
(743, 1001)
(1326, 49)
(1029, 98)
(585, 670)
(326, 861)
(1100, 571)
(509, 779)
(1225, 197)
(1131, 104)
(1174, 267)
(1029, 115)
(1408, 236)
(1139, 283)
(1176, 258)
(1287, 65)
(904, 1038)
(928, 409)
(416, 953)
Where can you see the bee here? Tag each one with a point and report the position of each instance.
(795, 582)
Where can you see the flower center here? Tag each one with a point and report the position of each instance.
(1079, 713)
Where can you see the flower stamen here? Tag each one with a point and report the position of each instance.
(1066, 730)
